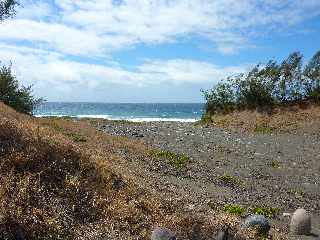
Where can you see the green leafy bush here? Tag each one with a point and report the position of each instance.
(265, 86)
(266, 211)
(234, 209)
(18, 97)
(176, 160)
(7, 8)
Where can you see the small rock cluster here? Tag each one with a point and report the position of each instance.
(300, 225)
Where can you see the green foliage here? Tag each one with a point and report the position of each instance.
(312, 74)
(220, 99)
(265, 86)
(7, 8)
(234, 209)
(228, 179)
(262, 129)
(176, 160)
(266, 211)
(275, 164)
(18, 97)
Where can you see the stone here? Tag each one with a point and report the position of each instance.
(300, 222)
(258, 222)
(225, 234)
(222, 235)
(162, 234)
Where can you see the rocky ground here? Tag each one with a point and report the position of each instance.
(278, 172)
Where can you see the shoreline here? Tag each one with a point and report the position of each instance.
(133, 119)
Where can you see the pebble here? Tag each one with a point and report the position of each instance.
(162, 234)
(223, 235)
(300, 222)
(259, 222)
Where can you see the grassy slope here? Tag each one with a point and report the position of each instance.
(61, 179)
(303, 118)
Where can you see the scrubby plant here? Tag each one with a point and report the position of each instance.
(268, 212)
(234, 209)
(312, 74)
(263, 129)
(230, 180)
(275, 164)
(266, 86)
(174, 159)
(11, 93)
(7, 8)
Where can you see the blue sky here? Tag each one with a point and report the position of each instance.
(150, 50)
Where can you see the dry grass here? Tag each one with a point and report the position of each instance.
(293, 118)
(53, 187)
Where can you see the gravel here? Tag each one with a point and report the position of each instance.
(277, 170)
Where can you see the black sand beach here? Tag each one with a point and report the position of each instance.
(274, 171)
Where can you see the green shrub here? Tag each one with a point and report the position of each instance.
(262, 129)
(18, 97)
(312, 74)
(228, 179)
(266, 211)
(176, 160)
(234, 209)
(265, 86)
(275, 164)
(7, 8)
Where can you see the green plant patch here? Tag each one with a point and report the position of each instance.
(228, 179)
(275, 164)
(174, 159)
(262, 129)
(268, 212)
(234, 209)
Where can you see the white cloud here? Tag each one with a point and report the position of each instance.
(60, 39)
(99, 26)
(52, 68)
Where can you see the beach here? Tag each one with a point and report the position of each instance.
(274, 171)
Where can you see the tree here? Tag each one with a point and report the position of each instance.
(290, 81)
(7, 8)
(255, 89)
(312, 72)
(18, 97)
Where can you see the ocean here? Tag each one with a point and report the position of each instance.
(136, 112)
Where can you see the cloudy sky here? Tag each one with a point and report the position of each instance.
(150, 50)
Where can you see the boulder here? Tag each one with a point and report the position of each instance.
(300, 222)
(258, 222)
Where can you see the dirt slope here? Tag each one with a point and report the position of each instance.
(62, 179)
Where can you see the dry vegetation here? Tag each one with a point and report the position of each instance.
(303, 117)
(55, 187)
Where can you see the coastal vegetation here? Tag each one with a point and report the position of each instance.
(266, 86)
(12, 94)
(174, 159)
(7, 8)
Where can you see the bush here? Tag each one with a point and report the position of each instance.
(312, 74)
(266, 86)
(7, 8)
(18, 97)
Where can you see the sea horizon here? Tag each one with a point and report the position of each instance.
(135, 112)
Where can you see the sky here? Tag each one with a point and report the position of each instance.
(150, 50)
